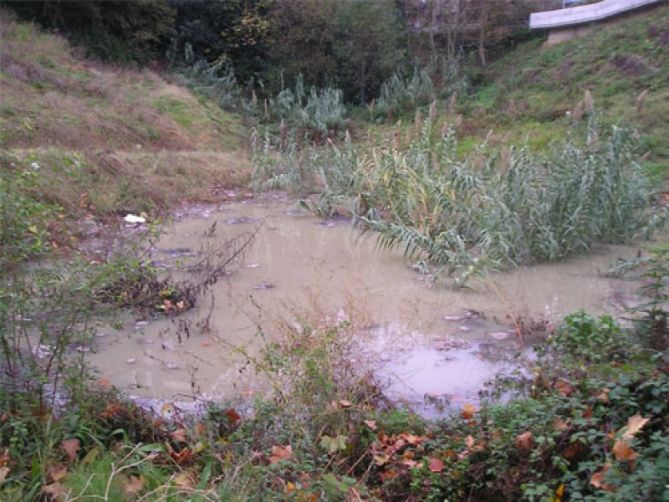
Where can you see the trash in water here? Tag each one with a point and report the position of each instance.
(264, 285)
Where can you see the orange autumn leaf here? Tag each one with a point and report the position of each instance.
(435, 464)
(559, 493)
(563, 388)
(70, 447)
(525, 441)
(468, 411)
(280, 453)
(623, 451)
(634, 425)
(597, 480)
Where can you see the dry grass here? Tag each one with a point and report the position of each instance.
(109, 140)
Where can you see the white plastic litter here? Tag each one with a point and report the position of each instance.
(133, 218)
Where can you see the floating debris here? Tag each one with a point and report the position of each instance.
(500, 335)
(132, 360)
(264, 285)
(176, 252)
(242, 220)
(253, 266)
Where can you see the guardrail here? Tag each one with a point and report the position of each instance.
(573, 16)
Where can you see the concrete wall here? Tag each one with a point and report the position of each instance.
(585, 13)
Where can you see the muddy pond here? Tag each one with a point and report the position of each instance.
(423, 340)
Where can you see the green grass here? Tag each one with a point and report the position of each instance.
(615, 62)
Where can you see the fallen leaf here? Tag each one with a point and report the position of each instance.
(70, 447)
(57, 472)
(4, 457)
(133, 485)
(179, 435)
(560, 425)
(380, 460)
(634, 425)
(389, 474)
(3, 474)
(181, 457)
(200, 428)
(525, 441)
(623, 451)
(572, 450)
(435, 464)
(412, 439)
(233, 416)
(185, 480)
(55, 490)
(469, 441)
(345, 403)
(371, 424)
(559, 493)
(603, 396)
(353, 495)
(280, 453)
(597, 480)
(563, 388)
(468, 411)
(105, 383)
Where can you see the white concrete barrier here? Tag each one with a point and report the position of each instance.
(573, 16)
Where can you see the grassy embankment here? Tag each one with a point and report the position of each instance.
(106, 140)
(536, 93)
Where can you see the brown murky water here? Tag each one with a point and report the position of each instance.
(420, 334)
